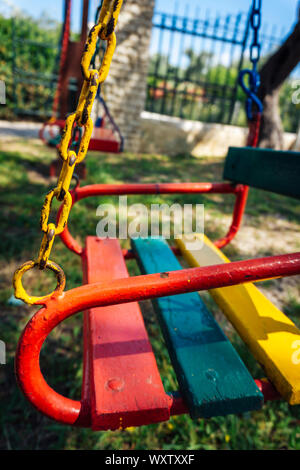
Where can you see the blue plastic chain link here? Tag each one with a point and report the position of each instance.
(253, 75)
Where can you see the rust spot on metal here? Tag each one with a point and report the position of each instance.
(101, 31)
(82, 69)
(94, 80)
(42, 264)
(115, 5)
(85, 113)
(110, 26)
(63, 133)
(50, 234)
(61, 195)
(164, 275)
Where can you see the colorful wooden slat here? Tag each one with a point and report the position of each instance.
(212, 378)
(270, 335)
(272, 170)
(123, 380)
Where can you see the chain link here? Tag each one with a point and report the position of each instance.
(104, 29)
(255, 21)
(251, 89)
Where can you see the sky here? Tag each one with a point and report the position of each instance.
(279, 12)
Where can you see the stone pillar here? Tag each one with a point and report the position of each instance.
(125, 87)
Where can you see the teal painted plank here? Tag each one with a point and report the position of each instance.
(212, 378)
(272, 170)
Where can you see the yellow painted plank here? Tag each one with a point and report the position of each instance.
(271, 336)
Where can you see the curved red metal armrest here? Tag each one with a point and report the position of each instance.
(240, 191)
(61, 306)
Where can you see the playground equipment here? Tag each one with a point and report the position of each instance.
(121, 383)
(106, 135)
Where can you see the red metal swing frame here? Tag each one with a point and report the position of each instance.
(59, 307)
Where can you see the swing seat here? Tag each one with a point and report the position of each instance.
(121, 384)
(102, 140)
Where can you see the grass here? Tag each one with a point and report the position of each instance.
(24, 182)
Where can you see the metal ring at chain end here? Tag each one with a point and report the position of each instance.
(20, 292)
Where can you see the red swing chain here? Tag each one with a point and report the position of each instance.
(254, 119)
(63, 56)
(62, 62)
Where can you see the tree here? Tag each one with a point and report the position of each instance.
(198, 64)
(273, 74)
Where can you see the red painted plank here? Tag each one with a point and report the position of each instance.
(124, 382)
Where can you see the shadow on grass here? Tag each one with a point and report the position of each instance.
(21, 201)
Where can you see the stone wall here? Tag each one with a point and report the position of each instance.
(125, 87)
(174, 136)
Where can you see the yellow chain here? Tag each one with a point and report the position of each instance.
(104, 29)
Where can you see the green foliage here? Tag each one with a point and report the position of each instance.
(204, 91)
(28, 60)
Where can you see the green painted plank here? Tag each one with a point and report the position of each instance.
(212, 378)
(272, 170)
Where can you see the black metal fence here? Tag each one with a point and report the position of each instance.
(193, 70)
(195, 64)
(29, 57)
